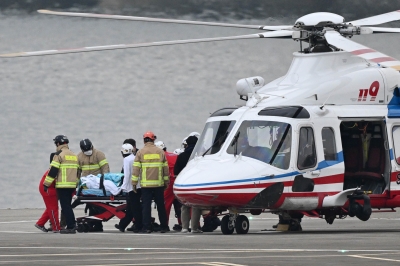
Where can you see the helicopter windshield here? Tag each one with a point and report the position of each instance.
(213, 137)
(267, 141)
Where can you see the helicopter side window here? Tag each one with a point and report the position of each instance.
(329, 144)
(266, 141)
(396, 143)
(307, 157)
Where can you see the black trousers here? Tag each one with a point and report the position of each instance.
(65, 198)
(133, 210)
(177, 208)
(147, 197)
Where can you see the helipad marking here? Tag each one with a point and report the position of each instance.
(102, 234)
(13, 222)
(220, 264)
(193, 260)
(203, 249)
(372, 258)
(22, 232)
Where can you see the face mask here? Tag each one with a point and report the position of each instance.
(88, 153)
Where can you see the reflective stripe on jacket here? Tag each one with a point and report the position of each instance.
(63, 169)
(94, 164)
(150, 163)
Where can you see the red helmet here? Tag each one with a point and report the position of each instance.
(149, 135)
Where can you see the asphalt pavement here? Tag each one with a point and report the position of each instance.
(345, 242)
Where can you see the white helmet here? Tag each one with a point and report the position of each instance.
(160, 144)
(127, 148)
(178, 151)
(196, 134)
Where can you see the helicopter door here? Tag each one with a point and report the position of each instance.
(395, 175)
(366, 159)
(306, 161)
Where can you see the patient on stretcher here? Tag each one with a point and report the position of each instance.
(101, 185)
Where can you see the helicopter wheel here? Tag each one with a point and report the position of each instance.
(242, 224)
(86, 228)
(227, 226)
(80, 228)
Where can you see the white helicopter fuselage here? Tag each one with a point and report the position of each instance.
(326, 92)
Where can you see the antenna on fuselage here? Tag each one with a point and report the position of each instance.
(323, 105)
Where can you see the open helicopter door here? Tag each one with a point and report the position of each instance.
(393, 129)
(366, 154)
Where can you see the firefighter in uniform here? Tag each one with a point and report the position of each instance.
(152, 167)
(92, 162)
(64, 171)
(169, 196)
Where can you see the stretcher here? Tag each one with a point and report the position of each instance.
(101, 203)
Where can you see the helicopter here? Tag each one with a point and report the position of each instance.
(321, 141)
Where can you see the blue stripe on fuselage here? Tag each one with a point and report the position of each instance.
(321, 165)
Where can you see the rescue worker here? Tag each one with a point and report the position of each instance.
(64, 171)
(152, 167)
(133, 205)
(169, 196)
(180, 150)
(137, 210)
(51, 201)
(92, 162)
(133, 143)
(181, 162)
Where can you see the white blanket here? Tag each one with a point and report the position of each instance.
(92, 181)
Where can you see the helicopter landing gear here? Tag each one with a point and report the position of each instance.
(82, 227)
(228, 224)
(242, 224)
(363, 212)
(232, 222)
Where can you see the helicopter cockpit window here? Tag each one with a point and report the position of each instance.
(396, 142)
(307, 157)
(213, 137)
(267, 141)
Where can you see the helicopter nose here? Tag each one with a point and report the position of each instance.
(206, 182)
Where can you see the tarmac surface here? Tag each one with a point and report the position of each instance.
(345, 242)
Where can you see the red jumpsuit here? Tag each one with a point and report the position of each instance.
(51, 201)
(169, 195)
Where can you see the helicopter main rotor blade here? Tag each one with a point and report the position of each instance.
(271, 34)
(376, 20)
(384, 30)
(334, 38)
(162, 20)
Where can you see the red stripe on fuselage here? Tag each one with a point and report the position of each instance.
(393, 176)
(317, 181)
(363, 51)
(382, 59)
